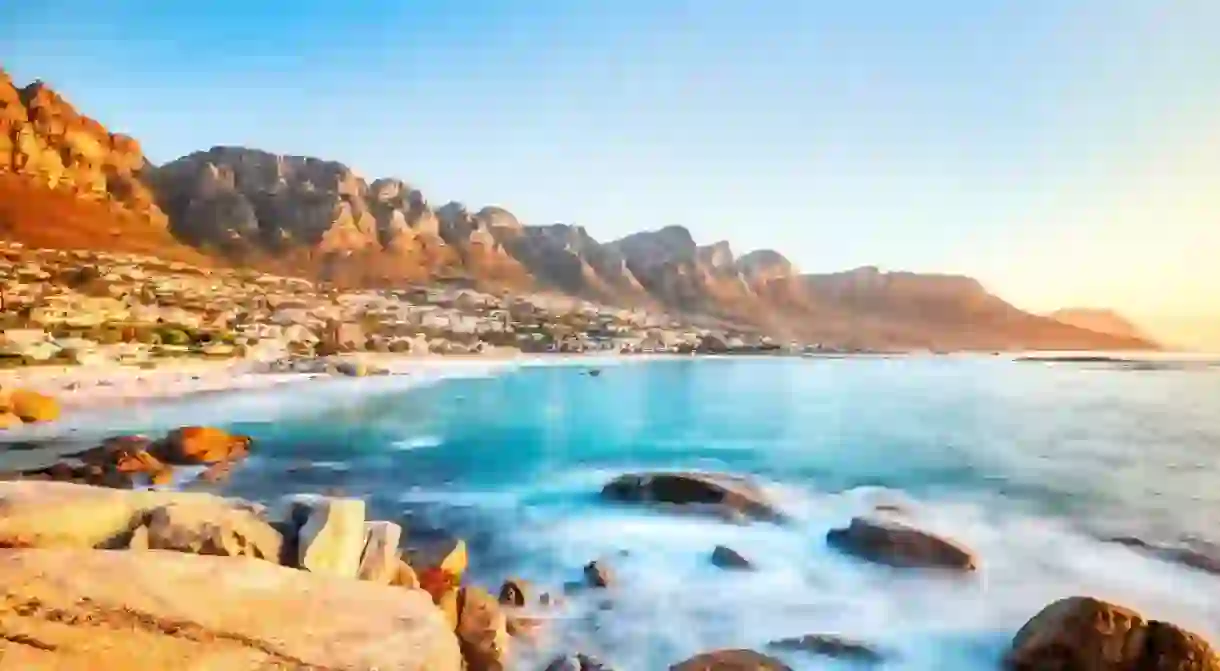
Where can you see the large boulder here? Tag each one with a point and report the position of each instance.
(896, 544)
(61, 514)
(731, 660)
(201, 445)
(212, 528)
(1086, 633)
(332, 538)
(722, 493)
(75, 610)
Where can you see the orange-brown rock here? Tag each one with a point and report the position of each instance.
(32, 406)
(1087, 633)
(126, 454)
(482, 630)
(201, 445)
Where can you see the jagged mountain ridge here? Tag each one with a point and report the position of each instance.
(320, 218)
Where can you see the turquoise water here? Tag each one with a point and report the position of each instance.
(1029, 464)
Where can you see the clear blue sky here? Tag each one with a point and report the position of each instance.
(1065, 152)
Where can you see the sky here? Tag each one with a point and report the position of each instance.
(1064, 152)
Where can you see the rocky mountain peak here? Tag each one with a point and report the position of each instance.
(764, 265)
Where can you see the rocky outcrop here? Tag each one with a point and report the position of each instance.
(728, 558)
(210, 527)
(201, 445)
(145, 611)
(44, 139)
(29, 406)
(896, 544)
(834, 647)
(1087, 633)
(722, 494)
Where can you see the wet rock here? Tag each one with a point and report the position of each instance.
(212, 528)
(830, 646)
(516, 592)
(482, 630)
(731, 660)
(1201, 556)
(896, 544)
(728, 558)
(31, 406)
(1087, 633)
(352, 368)
(332, 538)
(707, 490)
(379, 561)
(598, 574)
(201, 445)
(577, 662)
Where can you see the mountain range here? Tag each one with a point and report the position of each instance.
(66, 181)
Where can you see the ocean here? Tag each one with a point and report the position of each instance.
(1032, 465)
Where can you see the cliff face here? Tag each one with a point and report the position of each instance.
(65, 181)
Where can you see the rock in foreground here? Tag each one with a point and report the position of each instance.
(1086, 633)
(896, 544)
(87, 609)
(726, 494)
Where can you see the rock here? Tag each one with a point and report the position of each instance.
(139, 539)
(61, 514)
(718, 492)
(126, 454)
(598, 574)
(379, 561)
(731, 660)
(218, 472)
(449, 605)
(1086, 633)
(830, 646)
(1198, 555)
(332, 538)
(9, 420)
(404, 576)
(896, 544)
(577, 662)
(728, 558)
(352, 368)
(516, 592)
(32, 406)
(146, 611)
(212, 528)
(163, 477)
(482, 630)
(446, 554)
(201, 445)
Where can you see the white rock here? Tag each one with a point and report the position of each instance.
(332, 539)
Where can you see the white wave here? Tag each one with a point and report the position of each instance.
(417, 443)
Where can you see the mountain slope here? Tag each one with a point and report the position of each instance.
(1098, 320)
(65, 181)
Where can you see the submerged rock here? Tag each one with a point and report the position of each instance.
(728, 558)
(726, 494)
(577, 662)
(1201, 556)
(731, 660)
(598, 574)
(896, 544)
(1086, 633)
(830, 646)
